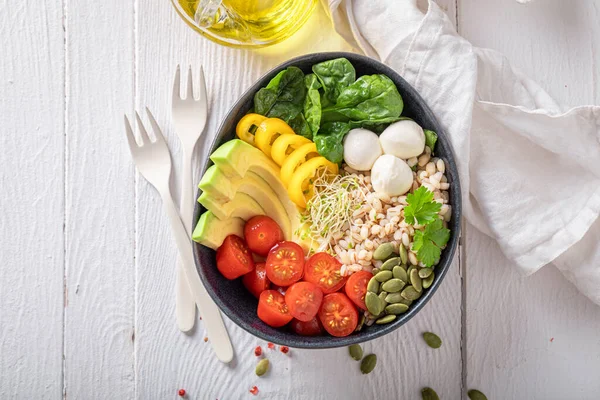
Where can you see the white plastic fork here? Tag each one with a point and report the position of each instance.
(153, 160)
(189, 117)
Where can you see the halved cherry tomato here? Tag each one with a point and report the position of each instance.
(234, 258)
(262, 233)
(307, 328)
(244, 130)
(256, 281)
(338, 315)
(300, 187)
(324, 271)
(272, 309)
(303, 300)
(284, 145)
(356, 287)
(268, 131)
(285, 263)
(298, 157)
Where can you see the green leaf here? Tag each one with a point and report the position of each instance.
(428, 243)
(312, 103)
(301, 126)
(274, 83)
(329, 140)
(334, 75)
(284, 95)
(421, 207)
(430, 138)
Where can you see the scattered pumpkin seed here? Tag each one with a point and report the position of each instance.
(373, 285)
(425, 272)
(385, 320)
(262, 367)
(375, 271)
(429, 394)
(393, 298)
(355, 351)
(382, 295)
(405, 301)
(409, 293)
(400, 273)
(361, 322)
(475, 394)
(390, 264)
(374, 303)
(415, 280)
(432, 340)
(397, 308)
(383, 276)
(383, 251)
(410, 269)
(403, 253)
(368, 364)
(428, 281)
(393, 285)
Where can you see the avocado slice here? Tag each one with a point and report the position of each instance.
(223, 189)
(242, 206)
(211, 231)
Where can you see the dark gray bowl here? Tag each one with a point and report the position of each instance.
(231, 296)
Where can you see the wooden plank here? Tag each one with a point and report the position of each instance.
(166, 359)
(527, 337)
(32, 200)
(100, 273)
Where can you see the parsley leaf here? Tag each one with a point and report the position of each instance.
(421, 207)
(428, 243)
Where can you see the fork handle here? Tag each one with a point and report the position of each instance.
(213, 321)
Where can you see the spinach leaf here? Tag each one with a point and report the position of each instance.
(371, 97)
(430, 138)
(334, 75)
(330, 140)
(312, 103)
(284, 95)
(274, 83)
(301, 126)
(375, 125)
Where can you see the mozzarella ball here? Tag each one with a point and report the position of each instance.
(361, 149)
(391, 175)
(403, 139)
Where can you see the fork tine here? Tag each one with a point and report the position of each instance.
(143, 132)
(202, 95)
(190, 85)
(155, 128)
(177, 84)
(130, 136)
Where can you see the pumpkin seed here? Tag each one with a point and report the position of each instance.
(475, 394)
(368, 364)
(405, 301)
(410, 269)
(382, 295)
(262, 367)
(361, 322)
(383, 276)
(397, 308)
(403, 253)
(399, 273)
(374, 303)
(428, 281)
(390, 264)
(410, 293)
(393, 298)
(383, 251)
(393, 285)
(425, 272)
(429, 394)
(385, 320)
(432, 340)
(373, 285)
(355, 351)
(415, 280)
(375, 271)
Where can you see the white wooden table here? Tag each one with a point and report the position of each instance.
(87, 261)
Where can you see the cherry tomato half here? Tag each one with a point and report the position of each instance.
(285, 263)
(256, 281)
(262, 233)
(356, 287)
(234, 258)
(303, 300)
(272, 309)
(338, 315)
(307, 328)
(324, 271)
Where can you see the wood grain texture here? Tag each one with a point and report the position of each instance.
(534, 337)
(32, 199)
(100, 273)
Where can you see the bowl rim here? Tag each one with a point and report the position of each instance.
(451, 247)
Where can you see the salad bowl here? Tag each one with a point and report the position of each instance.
(230, 295)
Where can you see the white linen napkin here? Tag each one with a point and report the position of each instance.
(529, 170)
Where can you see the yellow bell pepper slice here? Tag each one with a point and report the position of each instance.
(268, 131)
(243, 128)
(284, 145)
(294, 160)
(300, 187)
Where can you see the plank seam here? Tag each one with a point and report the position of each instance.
(135, 208)
(65, 187)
